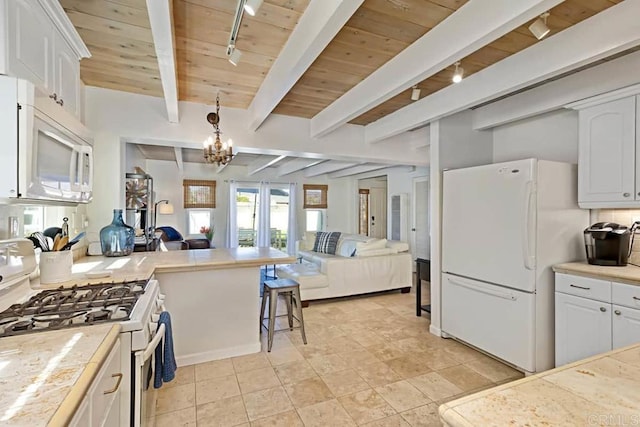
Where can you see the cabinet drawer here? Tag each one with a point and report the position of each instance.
(104, 387)
(626, 295)
(595, 289)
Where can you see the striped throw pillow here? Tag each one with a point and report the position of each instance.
(326, 242)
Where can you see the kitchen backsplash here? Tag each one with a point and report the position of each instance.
(623, 217)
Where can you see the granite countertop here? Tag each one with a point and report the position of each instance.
(629, 274)
(600, 390)
(44, 376)
(141, 265)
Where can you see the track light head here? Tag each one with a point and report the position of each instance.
(539, 27)
(458, 73)
(252, 6)
(233, 54)
(415, 93)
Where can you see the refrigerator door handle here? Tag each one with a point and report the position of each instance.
(528, 258)
(477, 288)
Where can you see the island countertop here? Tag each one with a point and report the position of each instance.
(600, 390)
(629, 274)
(142, 265)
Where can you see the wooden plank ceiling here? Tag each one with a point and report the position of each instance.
(117, 32)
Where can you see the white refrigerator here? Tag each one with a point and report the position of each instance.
(504, 226)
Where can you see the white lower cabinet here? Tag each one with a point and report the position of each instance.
(102, 404)
(594, 316)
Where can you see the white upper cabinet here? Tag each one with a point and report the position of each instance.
(42, 46)
(30, 43)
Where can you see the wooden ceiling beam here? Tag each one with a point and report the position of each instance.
(161, 19)
(263, 162)
(574, 47)
(471, 27)
(327, 167)
(318, 25)
(297, 164)
(356, 170)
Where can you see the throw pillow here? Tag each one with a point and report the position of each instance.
(326, 242)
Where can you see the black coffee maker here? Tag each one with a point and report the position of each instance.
(607, 243)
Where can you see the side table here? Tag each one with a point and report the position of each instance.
(423, 272)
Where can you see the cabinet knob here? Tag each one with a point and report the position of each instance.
(602, 309)
(618, 312)
(626, 194)
(60, 102)
(54, 96)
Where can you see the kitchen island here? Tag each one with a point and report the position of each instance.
(600, 390)
(213, 295)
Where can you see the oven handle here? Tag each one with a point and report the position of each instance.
(146, 354)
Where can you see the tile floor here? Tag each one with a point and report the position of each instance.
(369, 361)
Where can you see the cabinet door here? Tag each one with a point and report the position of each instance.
(82, 416)
(626, 326)
(583, 328)
(606, 169)
(67, 76)
(30, 43)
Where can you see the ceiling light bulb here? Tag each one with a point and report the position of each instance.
(234, 54)
(539, 27)
(458, 73)
(415, 93)
(252, 6)
(230, 142)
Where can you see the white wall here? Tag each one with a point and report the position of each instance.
(551, 136)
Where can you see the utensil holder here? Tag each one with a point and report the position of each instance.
(55, 266)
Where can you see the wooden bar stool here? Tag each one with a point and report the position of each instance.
(290, 289)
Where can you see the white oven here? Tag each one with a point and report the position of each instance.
(43, 159)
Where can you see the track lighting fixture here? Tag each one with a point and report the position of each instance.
(539, 27)
(252, 6)
(458, 73)
(233, 54)
(415, 93)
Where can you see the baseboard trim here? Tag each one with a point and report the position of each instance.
(207, 356)
(435, 331)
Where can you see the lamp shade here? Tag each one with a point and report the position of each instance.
(165, 209)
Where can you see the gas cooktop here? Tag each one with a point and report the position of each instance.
(75, 306)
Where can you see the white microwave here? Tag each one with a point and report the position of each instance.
(44, 159)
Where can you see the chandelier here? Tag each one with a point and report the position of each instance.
(217, 152)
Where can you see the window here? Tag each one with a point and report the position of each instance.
(199, 194)
(315, 196)
(314, 220)
(198, 218)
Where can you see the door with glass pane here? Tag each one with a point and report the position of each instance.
(248, 210)
(279, 217)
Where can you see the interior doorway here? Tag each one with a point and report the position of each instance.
(420, 238)
(372, 207)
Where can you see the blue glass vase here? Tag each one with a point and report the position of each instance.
(117, 238)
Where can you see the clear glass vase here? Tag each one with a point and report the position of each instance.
(117, 238)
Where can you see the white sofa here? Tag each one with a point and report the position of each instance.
(361, 265)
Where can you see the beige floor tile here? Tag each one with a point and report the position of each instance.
(464, 378)
(402, 396)
(434, 386)
(387, 351)
(329, 413)
(265, 403)
(184, 375)
(461, 352)
(294, 372)
(393, 421)
(369, 338)
(279, 356)
(327, 364)
(250, 362)
(214, 369)
(377, 374)
(424, 416)
(358, 357)
(175, 398)
(366, 406)
(344, 382)
(308, 392)
(258, 379)
(225, 412)
(314, 349)
(493, 369)
(285, 419)
(181, 418)
(216, 389)
(408, 366)
(438, 359)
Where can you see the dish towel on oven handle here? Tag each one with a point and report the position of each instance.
(165, 364)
